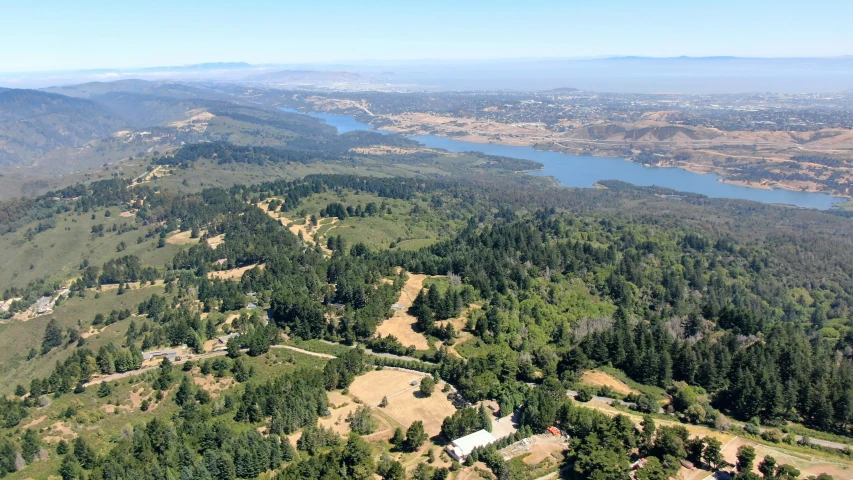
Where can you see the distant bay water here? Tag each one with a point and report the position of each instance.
(584, 171)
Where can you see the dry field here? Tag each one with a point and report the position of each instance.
(216, 241)
(402, 325)
(478, 471)
(601, 379)
(405, 403)
(234, 273)
(337, 421)
(544, 447)
(459, 323)
(182, 238)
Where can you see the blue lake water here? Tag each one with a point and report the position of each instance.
(585, 171)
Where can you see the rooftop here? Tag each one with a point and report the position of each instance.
(462, 447)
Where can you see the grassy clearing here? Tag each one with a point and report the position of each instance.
(17, 338)
(411, 224)
(650, 390)
(317, 346)
(103, 420)
(278, 362)
(57, 253)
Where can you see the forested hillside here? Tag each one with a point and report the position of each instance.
(34, 122)
(708, 309)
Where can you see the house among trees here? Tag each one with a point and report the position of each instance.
(224, 339)
(462, 447)
(171, 354)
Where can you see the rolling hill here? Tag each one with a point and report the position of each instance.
(33, 123)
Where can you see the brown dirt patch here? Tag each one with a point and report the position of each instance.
(234, 273)
(542, 448)
(601, 379)
(213, 385)
(405, 405)
(126, 214)
(216, 241)
(307, 230)
(93, 331)
(402, 324)
(110, 408)
(473, 472)
(34, 422)
(337, 421)
(59, 431)
(136, 398)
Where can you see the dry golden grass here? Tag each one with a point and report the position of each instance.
(402, 325)
(601, 379)
(234, 273)
(181, 238)
(405, 403)
(216, 241)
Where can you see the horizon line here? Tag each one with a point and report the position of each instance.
(365, 61)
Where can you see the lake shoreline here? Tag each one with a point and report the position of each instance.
(576, 171)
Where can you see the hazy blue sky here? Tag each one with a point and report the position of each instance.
(63, 34)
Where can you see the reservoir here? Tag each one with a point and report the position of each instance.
(585, 171)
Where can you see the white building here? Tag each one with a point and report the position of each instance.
(462, 447)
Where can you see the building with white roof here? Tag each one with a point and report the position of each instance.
(462, 447)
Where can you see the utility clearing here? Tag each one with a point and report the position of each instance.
(402, 324)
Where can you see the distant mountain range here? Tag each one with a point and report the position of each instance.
(305, 77)
(625, 74)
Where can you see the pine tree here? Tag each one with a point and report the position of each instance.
(104, 390)
(415, 436)
(184, 391)
(745, 458)
(485, 418)
(52, 336)
(398, 439)
(712, 453)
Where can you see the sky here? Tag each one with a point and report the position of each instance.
(39, 35)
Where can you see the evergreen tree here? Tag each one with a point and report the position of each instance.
(745, 458)
(712, 454)
(398, 439)
(415, 436)
(52, 336)
(767, 467)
